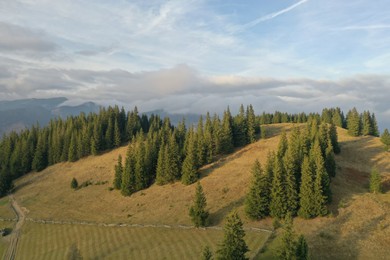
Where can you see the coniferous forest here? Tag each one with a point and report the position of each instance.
(159, 152)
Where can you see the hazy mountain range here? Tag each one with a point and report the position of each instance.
(17, 115)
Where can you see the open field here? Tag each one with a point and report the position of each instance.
(358, 226)
(5, 209)
(52, 241)
(3, 240)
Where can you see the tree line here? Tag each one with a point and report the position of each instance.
(181, 151)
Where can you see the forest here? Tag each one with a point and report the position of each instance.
(159, 152)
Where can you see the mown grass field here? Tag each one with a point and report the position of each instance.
(3, 240)
(52, 241)
(358, 226)
(5, 209)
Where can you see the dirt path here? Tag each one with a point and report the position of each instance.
(14, 236)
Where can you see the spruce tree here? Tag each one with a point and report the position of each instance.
(117, 134)
(385, 139)
(128, 176)
(278, 204)
(240, 129)
(257, 200)
(288, 246)
(374, 123)
(322, 192)
(283, 144)
(353, 122)
(334, 138)
(139, 167)
(118, 174)
(161, 165)
(375, 181)
(189, 169)
(198, 212)
(226, 134)
(251, 124)
(302, 249)
(72, 154)
(233, 246)
(306, 194)
(330, 162)
(367, 127)
(291, 183)
(208, 140)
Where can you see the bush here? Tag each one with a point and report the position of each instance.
(74, 184)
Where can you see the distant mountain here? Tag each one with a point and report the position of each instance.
(17, 115)
(190, 118)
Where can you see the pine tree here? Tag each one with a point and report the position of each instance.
(109, 136)
(128, 175)
(278, 204)
(288, 247)
(207, 254)
(385, 139)
(367, 128)
(139, 168)
(189, 169)
(72, 154)
(161, 165)
(330, 162)
(302, 249)
(201, 146)
(240, 128)
(334, 138)
(257, 200)
(40, 157)
(117, 134)
(322, 192)
(375, 181)
(118, 174)
(306, 194)
(251, 124)
(208, 140)
(374, 123)
(226, 134)
(291, 183)
(283, 144)
(233, 246)
(353, 123)
(198, 212)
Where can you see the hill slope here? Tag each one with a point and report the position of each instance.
(359, 226)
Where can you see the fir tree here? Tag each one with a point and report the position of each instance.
(40, 157)
(226, 134)
(334, 138)
(375, 181)
(302, 249)
(367, 128)
(118, 174)
(117, 134)
(322, 192)
(189, 168)
(353, 122)
(161, 165)
(278, 204)
(208, 140)
(283, 144)
(306, 194)
(198, 212)
(128, 176)
(374, 123)
(288, 247)
(385, 139)
(257, 200)
(291, 183)
(251, 124)
(233, 246)
(72, 154)
(139, 167)
(330, 162)
(240, 128)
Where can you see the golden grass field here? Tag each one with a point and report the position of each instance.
(357, 228)
(48, 241)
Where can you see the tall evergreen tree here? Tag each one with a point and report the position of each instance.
(118, 174)
(334, 138)
(353, 122)
(278, 204)
(233, 246)
(385, 139)
(189, 168)
(128, 176)
(257, 200)
(367, 128)
(330, 162)
(374, 123)
(302, 249)
(283, 144)
(72, 154)
(306, 194)
(226, 133)
(375, 181)
(251, 124)
(291, 183)
(240, 128)
(198, 212)
(288, 247)
(117, 134)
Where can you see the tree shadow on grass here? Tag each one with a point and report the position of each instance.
(216, 218)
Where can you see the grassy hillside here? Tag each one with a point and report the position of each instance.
(358, 227)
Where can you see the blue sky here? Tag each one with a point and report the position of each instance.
(189, 56)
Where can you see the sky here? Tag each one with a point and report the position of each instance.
(197, 56)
